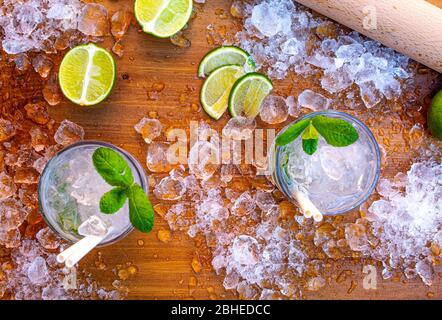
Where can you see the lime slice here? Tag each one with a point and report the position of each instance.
(223, 56)
(163, 18)
(248, 94)
(87, 74)
(216, 89)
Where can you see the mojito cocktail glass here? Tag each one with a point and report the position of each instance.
(70, 190)
(335, 179)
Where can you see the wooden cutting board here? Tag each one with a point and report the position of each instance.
(164, 269)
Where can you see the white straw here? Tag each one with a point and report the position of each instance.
(72, 255)
(80, 248)
(307, 206)
(83, 247)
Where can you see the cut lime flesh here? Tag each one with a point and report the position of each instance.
(223, 56)
(216, 89)
(87, 74)
(248, 93)
(163, 18)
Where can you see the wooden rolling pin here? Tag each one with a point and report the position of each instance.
(412, 27)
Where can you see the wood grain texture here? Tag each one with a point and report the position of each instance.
(164, 269)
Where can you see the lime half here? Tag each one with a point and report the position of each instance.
(435, 116)
(216, 89)
(163, 18)
(87, 74)
(248, 94)
(223, 56)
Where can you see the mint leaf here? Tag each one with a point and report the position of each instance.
(112, 167)
(310, 133)
(140, 209)
(113, 200)
(310, 146)
(337, 132)
(310, 140)
(292, 132)
(68, 217)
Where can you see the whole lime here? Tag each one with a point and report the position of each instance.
(435, 116)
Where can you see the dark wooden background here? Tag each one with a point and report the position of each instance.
(164, 269)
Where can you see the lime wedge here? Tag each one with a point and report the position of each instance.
(163, 18)
(87, 74)
(223, 56)
(248, 93)
(216, 89)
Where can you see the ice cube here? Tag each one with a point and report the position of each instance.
(51, 91)
(370, 95)
(7, 130)
(120, 23)
(179, 40)
(60, 11)
(22, 62)
(93, 226)
(274, 110)
(203, 160)
(93, 20)
(425, 271)
(244, 205)
(157, 159)
(42, 65)
(329, 45)
(12, 214)
(350, 52)
(336, 80)
(170, 189)
(231, 280)
(48, 239)
(270, 19)
(68, 133)
(293, 106)
(312, 100)
(39, 138)
(10, 238)
(333, 162)
(245, 250)
(356, 236)
(7, 187)
(27, 18)
(293, 47)
(37, 112)
(264, 200)
(118, 49)
(149, 129)
(38, 271)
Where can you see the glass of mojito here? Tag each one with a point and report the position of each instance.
(336, 179)
(70, 190)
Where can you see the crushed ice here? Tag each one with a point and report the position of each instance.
(284, 36)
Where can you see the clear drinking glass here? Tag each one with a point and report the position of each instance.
(70, 190)
(335, 179)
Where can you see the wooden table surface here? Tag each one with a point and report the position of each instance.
(164, 268)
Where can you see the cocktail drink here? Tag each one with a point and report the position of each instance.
(334, 179)
(70, 190)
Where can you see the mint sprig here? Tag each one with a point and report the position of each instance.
(336, 132)
(115, 171)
